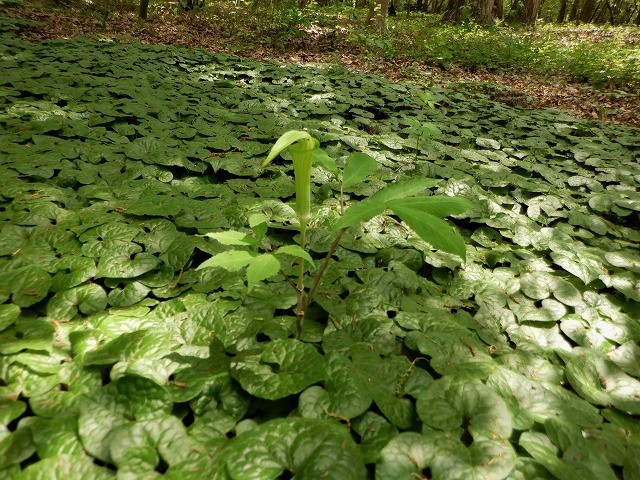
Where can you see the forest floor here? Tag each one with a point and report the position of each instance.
(195, 31)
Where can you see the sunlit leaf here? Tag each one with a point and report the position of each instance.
(232, 260)
(432, 230)
(358, 166)
(262, 267)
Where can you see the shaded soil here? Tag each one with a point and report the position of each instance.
(189, 30)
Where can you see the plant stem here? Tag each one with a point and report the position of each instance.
(323, 267)
(302, 305)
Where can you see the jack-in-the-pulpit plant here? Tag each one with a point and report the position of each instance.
(422, 213)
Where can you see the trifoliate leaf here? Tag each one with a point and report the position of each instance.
(432, 230)
(232, 260)
(232, 237)
(321, 158)
(262, 267)
(438, 205)
(359, 213)
(295, 251)
(358, 167)
(403, 189)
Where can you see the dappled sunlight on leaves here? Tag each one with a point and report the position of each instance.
(131, 341)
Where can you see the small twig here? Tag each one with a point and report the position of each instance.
(469, 345)
(288, 279)
(175, 284)
(323, 267)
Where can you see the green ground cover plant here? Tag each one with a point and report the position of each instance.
(122, 353)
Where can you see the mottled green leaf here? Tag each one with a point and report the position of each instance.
(602, 382)
(308, 448)
(87, 299)
(283, 368)
(59, 468)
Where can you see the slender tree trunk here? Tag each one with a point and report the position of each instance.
(573, 16)
(453, 11)
(627, 16)
(378, 11)
(438, 6)
(526, 11)
(144, 9)
(597, 15)
(562, 13)
(382, 15)
(612, 19)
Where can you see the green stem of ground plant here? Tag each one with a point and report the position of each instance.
(300, 309)
(323, 267)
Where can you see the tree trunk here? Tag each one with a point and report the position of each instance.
(573, 16)
(526, 11)
(144, 9)
(483, 11)
(498, 9)
(453, 11)
(586, 13)
(382, 15)
(627, 16)
(438, 6)
(563, 11)
(378, 10)
(612, 18)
